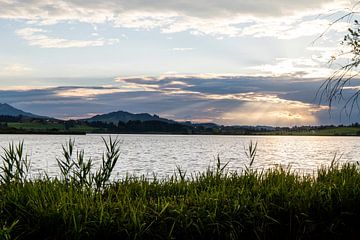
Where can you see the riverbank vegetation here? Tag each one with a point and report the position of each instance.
(84, 202)
(26, 125)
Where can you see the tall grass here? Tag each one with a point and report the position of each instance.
(215, 204)
(78, 171)
(15, 165)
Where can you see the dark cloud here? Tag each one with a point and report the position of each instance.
(304, 90)
(185, 98)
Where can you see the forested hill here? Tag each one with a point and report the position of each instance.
(122, 116)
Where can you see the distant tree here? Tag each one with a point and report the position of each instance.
(69, 124)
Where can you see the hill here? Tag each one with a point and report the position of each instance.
(8, 110)
(122, 116)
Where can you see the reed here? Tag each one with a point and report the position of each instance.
(15, 164)
(79, 171)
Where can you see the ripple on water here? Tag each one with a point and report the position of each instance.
(160, 154)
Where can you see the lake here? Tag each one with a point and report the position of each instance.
(160, 154)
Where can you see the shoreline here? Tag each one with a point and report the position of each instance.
(174, 134)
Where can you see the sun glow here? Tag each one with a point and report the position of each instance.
(272, 114)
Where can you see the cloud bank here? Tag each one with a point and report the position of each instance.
(235, 100)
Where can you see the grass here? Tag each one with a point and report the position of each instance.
(354, 131)
(34, 125)
(331, 131)
(215, 204)
(45, 127)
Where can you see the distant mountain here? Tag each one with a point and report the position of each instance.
(8, 110)
(115, 117)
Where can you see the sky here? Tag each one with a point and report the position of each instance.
(232, 62)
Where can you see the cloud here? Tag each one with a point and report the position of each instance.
(224, 99)
(100, 10)
(294, 68)
(84, 92)
(38, 37)
(216, 84)
(182, 49)
(210, 17)
(342, 53)
(290, 28)
(15, 69)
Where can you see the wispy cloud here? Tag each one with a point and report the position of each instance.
(294, 68)
(14, 69)
(178, 49)
(260, 18)
(38, 37)
(292, 28)
(88, 93)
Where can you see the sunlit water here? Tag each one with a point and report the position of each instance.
(160, 154)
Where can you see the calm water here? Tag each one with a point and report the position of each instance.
(160, 154)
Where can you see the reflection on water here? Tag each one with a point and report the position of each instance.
(160, 154)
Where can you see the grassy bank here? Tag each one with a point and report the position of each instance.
(326, 131)
(216, 204)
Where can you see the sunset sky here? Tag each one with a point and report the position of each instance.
(231, 62)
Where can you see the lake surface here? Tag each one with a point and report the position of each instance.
(160, 154)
